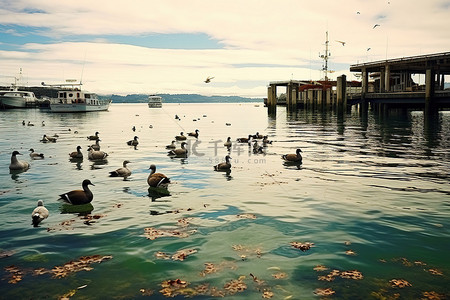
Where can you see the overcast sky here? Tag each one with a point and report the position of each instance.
(167, 46)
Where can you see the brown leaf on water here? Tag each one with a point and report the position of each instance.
(324, 292)
(173, 288)
(183, 254)
(267, 294)
(67, 295)
(6, 253)
(280, 275)
(118, 205)
(433, 296)
(354, 274)
(302, 246)
(320, 268)
(65, 225)
(350, 252)
(146, 292)
(15, 274)
(246, 216)
(404, 261)
(153, 233)
(235, 286)
(399, 283)
(82, 264)
(435, 272)
(244, 251)
(184, 222)
(211, 268)
(162, 255)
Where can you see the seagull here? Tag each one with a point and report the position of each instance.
(208, 80)
(343, 43)
(368, 49)
(376, 25)
(358, 13)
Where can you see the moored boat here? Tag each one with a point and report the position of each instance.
(73, 99)
(154, 101)
(17, 99)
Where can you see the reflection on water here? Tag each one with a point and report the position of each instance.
(371, 195)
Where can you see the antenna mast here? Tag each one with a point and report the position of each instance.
(325, 58)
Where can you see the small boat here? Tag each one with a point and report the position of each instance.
(15, 98)
(154, 101)
(73, 99)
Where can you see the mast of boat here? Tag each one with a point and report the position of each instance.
(325, 58)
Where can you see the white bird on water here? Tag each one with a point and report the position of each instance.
(39, 214)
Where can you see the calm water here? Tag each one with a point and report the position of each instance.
(372, 195)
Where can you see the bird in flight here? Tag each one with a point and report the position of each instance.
(358, 13)
(376, 25)
(343, 43)
(208, 80)
(368, 49)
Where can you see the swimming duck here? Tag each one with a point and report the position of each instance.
(30, 124)
(223, 166)
(266, 141)
(78, 197)
(93, 137)
(180, 137)
(194, 134)
(76, 154)
(133, 128)
(43, 124)
(35, 155)
(180, 151)
(257, 149)
(39, 214)
(133, 142)
(96, 146)
(244, 140)
(157, 179)
(48, 139)
(228, 143)
(293, 157)
(23, 123)
(171, 146)
(121, 172)
(17, 164)
(96, 155)
(257, 136)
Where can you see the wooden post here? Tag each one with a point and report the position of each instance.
(387, 78)
(429, 91)
(341, 91)
(272, 99)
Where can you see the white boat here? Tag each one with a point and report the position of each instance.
(17, 99)
(14, 98)
(154, 101)
(73, 99)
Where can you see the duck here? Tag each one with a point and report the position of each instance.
(257, 136)
(76, 154)
(293, 157)
(48, 139)
(180, 137)
(266, 141)
(35, 155)
(133, 128)
(121, 172)
(96, 146)
(133, 142)
(172, 145)
(158, 180)
(257, 149)
(23, 123)
(96, 155)
(93, 137)
(39, 214)
(228, 142)
(224, 166)
(43, 123)
(244, 140)
(17, 164)
(78, 197)
(194, 134)
(180, 151)
(30, 124)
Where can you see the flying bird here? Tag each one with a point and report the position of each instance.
(358, 13)
(368, 49)
(208, 79)
(376, 25)
(343, 43)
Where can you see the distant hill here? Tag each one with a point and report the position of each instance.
(180, 98)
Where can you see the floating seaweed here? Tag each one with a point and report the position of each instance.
(320, 268)
(435, 272)
(246, 216)
(211, 268)
(15, 274)
(173, 288)
(82, 264)
(433, 296)
(279, 275)
(235, 286)
(179, 255)
(302, 246)
(184, 222)
(7, 253)
(243, 251)
(354, 274)
(350, 252)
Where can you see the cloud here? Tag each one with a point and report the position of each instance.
(133, 46)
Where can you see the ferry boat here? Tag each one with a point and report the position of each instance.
(73, 99)
(154, 101)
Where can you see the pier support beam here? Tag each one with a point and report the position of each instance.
(430, 82)
(383, 81)
(387, 78)
(272, 99)
(341, 90)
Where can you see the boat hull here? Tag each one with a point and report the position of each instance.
(16, 102)
(155, 105)
(79, 107)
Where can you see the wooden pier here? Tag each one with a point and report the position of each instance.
(391, 85)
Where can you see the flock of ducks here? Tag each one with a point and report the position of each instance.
(155, 180)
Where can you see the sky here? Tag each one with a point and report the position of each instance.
(172, 46)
